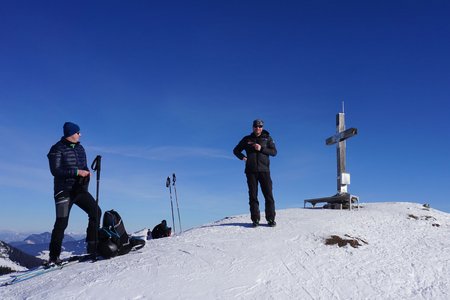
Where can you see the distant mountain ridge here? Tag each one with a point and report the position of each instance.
(35, 244)
(11, 236)
(40, 238)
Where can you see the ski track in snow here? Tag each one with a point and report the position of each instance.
(405, 258)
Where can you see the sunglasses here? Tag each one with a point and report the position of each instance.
(258, 126)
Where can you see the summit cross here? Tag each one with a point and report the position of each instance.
(342, 197)
(343, 178)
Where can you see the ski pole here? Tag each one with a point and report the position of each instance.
(174, 179)
(96, 167)
(171, 202)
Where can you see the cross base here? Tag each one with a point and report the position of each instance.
(336, 201)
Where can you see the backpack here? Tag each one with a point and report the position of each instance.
(113, 239)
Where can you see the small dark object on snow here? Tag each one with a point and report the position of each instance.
(425, 218)
(341, 242)
(411, 216)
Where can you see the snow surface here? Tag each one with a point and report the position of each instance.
(407, 256)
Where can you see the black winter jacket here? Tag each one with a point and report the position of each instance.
(65, 159)
(257, 161)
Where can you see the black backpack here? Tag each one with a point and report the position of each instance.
(113, 239)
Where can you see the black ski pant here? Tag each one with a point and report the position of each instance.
(63, 204)
(266, 187)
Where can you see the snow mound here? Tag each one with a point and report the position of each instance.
(399, 257)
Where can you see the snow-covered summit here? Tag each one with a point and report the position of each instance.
(402, 251)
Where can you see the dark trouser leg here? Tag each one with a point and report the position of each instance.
(266, 188)
(252, 182)
(86, 202)
(63, 204)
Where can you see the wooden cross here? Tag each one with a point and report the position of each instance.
(343, 178)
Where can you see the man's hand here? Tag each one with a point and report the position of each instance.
(257, 146)
(83, 173)
(244, 159)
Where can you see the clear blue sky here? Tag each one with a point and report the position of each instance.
(172, 86)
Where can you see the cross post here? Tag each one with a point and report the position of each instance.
(343, 178)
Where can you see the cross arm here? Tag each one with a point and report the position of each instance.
(341, 136)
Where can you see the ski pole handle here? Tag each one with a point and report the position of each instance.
(96, 165)
(174, 178)
(168, 181)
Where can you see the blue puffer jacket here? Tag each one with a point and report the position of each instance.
(65, 159)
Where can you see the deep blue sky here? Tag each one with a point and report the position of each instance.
(172, 86)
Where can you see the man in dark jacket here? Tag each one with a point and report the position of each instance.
(258, 146)
(68, 165)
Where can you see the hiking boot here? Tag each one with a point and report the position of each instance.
(90, 248)
(255, 223)
(53, 262)
(271, 223)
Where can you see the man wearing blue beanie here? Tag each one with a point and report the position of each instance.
(68, 165)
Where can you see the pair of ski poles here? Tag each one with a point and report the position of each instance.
(96, 167)
(174, 179)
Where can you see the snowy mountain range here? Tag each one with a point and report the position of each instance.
(10, 236)
(36, 244)
(28, 253)
(381, 251)
(12, 259)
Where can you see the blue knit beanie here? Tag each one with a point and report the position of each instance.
(70, 129)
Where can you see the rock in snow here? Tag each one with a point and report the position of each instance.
(403, 252)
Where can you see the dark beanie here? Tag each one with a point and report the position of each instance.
(70, 129)
(258, 122)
